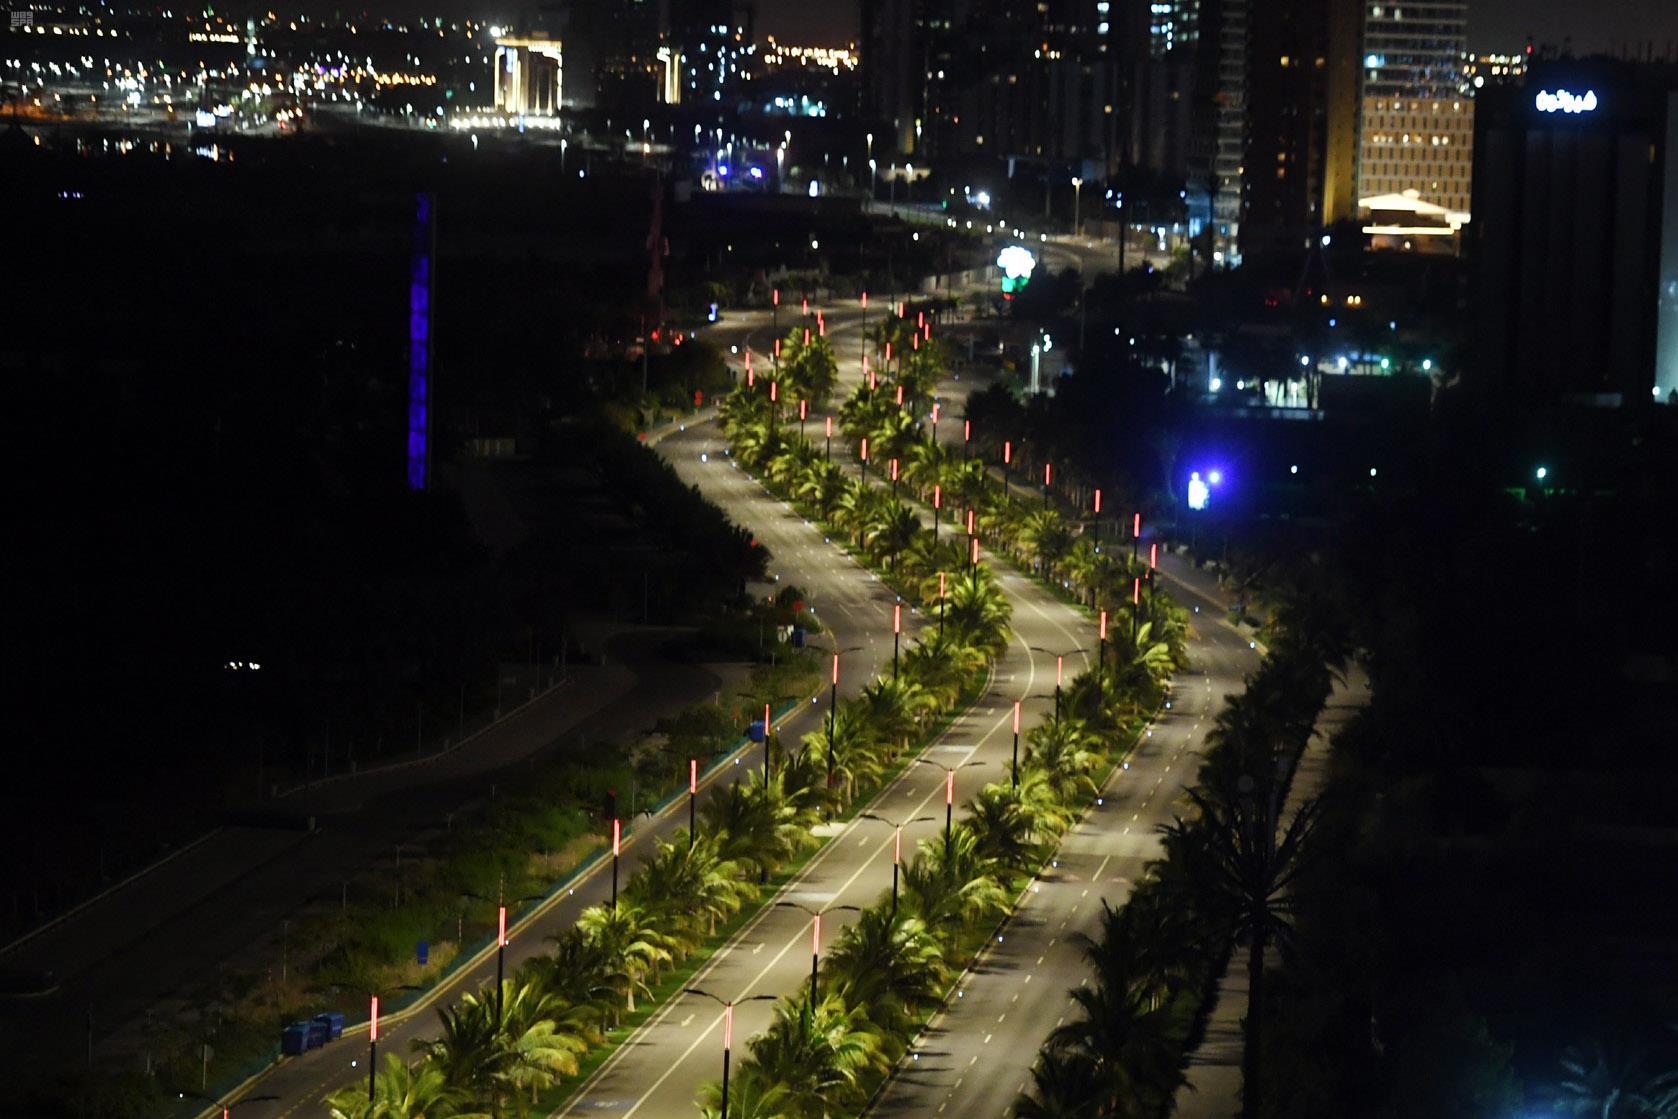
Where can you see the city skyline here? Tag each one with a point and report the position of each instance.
(1493, 25)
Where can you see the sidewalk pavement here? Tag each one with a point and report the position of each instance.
(1213, 1090)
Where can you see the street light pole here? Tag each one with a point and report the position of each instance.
(727, 1029)
(1060, 670)
(372, 1047)
(617, 849)
(896, 635)
(1077, 192)
(940, 606)
(896, 847)
(949, 791)
(1014, 766)
(693, 801)
(1100, 661)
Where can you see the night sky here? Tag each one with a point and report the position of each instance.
(1493, 25)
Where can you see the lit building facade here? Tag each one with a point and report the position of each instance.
(529, 76)
(1417, 118)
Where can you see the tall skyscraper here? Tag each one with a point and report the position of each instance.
(714, 39)
(993, 78)
(1574, 243)
(1417, 123)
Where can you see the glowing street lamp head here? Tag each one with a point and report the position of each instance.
(1542, 473)
(1216, 477)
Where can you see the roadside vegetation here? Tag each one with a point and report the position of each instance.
(887, 973)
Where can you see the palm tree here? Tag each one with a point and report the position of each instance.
(760, 827)
(1066, 751)
(942, 666)
(895, 707)
(926, 556)
(931, 464)
(893, 433)
(819, 1054)
(1044, 539)
(401, 1092)
(977, 611)
(469, 1052)
(752, 1094)
(821, 487)
(858, 508)
(969, 483)
(635, 948)
(543, 1037)
(888, 963)
(950, 885)
(577, 972)
(1608, 1078)
(893, 528)
(689, 885)
(1005, 828)
(1065, 1084)
(1086, 567)
(503, 1047)
(1132, 1045)
(1233, 856)
(855, 757)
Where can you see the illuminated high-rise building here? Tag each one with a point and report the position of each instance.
(709, 46)
(1417, 115)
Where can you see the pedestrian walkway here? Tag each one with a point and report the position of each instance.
(1213, 1090)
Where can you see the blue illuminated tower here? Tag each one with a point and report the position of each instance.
(421, 279)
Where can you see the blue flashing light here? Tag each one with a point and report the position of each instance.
(722, 170)
(1199, 492)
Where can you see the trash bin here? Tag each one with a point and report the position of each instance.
(334, 1023)
(294, 1039)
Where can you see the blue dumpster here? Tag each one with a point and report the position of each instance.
(334, 1023)
(294, 1039)
(318, 1033)
(755, 731)
(798, 637)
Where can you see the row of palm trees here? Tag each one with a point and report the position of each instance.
(498, 1050)
(1225, 879)
(893, 965)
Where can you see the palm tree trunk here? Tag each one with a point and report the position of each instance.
(1251, 1087)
